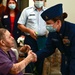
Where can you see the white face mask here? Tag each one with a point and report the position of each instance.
(39, 4)
(12, 6)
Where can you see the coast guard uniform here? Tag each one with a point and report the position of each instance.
(64, 40)
(30, 17)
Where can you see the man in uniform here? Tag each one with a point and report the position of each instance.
(34, 27)
(9, 65)
(62, 36)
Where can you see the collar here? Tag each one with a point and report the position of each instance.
(62, 27)
(43, 8)
(62, 30)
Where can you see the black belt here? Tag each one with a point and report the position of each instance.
(41, 36)
(37, 35)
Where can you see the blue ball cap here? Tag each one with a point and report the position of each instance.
(52, 12)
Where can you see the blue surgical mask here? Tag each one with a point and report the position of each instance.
(12, 6)
(50, 28)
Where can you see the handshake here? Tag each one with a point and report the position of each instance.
(31, 55)
(26, 49)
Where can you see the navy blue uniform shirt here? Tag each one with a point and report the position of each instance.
(65, 42)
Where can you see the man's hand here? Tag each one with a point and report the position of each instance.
(33, 34)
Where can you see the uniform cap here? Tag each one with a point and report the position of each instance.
(52, 12)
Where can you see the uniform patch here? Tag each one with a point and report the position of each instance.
(66, 41)
(32, 15)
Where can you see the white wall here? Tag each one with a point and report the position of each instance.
(31, 3)
(4, 2)
(68, 6)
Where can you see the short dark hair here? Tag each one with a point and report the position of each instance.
(2, 32)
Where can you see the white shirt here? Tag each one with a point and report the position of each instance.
(31, 17)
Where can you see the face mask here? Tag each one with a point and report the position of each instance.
(12, 6)
(39, 4)
(50, 28)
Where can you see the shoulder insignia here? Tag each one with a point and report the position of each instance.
(29, 8)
